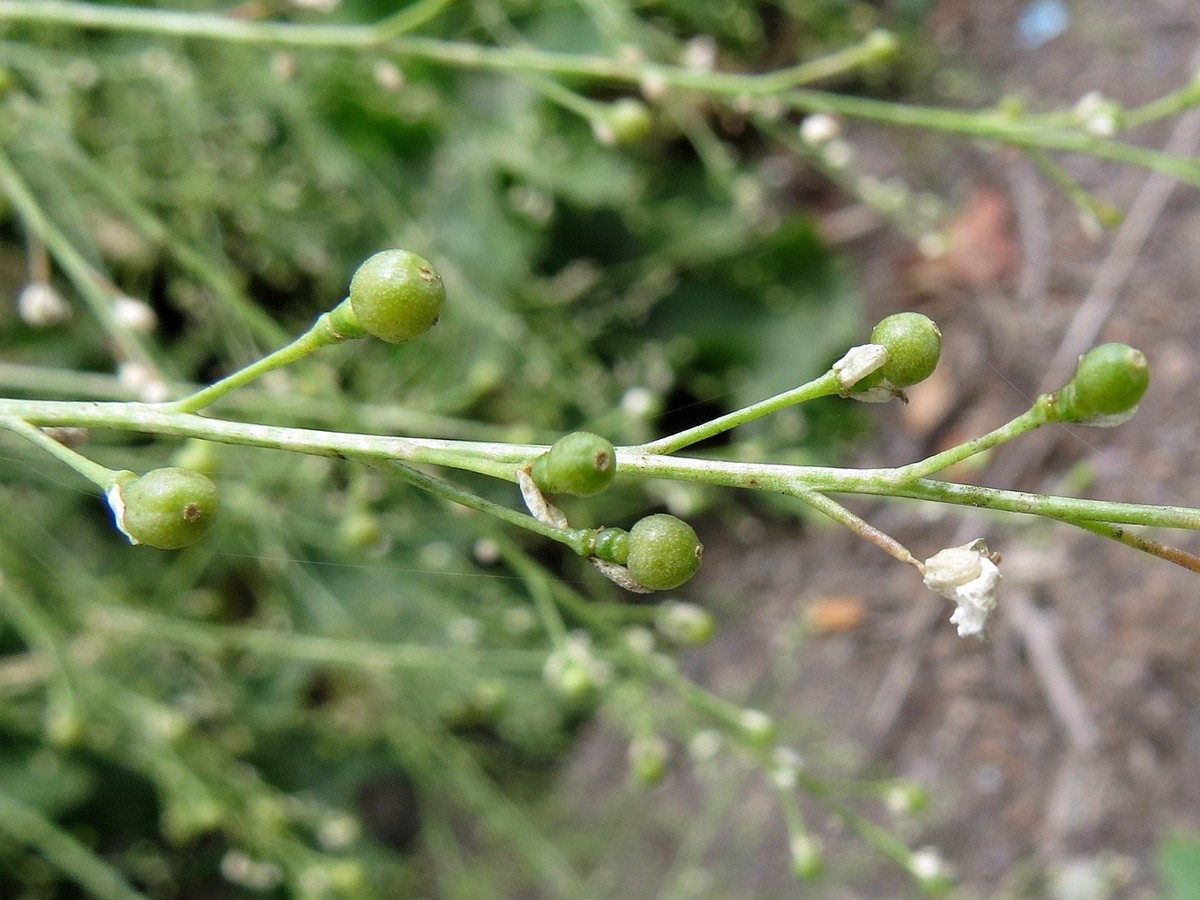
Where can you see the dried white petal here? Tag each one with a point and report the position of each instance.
(967, 576)
(858, 363)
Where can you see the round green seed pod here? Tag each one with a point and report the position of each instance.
(914, 345)
(664, 552)
(1109, 381)
(167, 508)
(629, 121)
(397, 295)
(579, 463)
(612, 545)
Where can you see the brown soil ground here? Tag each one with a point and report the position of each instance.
(1068, 742)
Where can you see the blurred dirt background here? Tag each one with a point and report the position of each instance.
(1060, 751)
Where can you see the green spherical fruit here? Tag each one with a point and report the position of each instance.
(914, 345)
(1109, 380)
(168, 508)
(579, 463)
(664, 552)
(397, 295)
(629, 121)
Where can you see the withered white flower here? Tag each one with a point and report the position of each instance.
(967, 576)
(857, 364)
(41, 306)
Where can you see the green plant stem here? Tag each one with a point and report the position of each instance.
(540, 589)
(82, 274)
(590, 110)
(326, 410)
(39, 636)
(1167, 105)
(1104, 214)
(862, 528)
(322, 334)
(825, 386)
(878, 837)
(993, 126)
(26, 825)
(99, 475)
(782, 83)
(575, 538)
(357, 654)
(500, 460)
(1147, 545)
(1070, 509)
(1034, 417)
(208, 26)
(409, 19)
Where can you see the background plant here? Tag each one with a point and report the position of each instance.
(597, 282)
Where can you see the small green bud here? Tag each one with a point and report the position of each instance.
(648, 758)
(905, 798)
(807, 860)
(913, 343)
(579, 463)
(611, 545)
(757, 727)
(664, 552)
(626, 121)
(685, 624)
(396, 296)
(1109, 381)
(360, 530)
(166, 508)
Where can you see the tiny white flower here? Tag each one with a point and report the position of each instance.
(968, 576)
(927, 864)
(337, 832)
(574, 670)
(756, 725)
(41, 306)
(639, 639)
(387, 75)
(700, 53)
(1098, 114)
(806, 854)
(653, 84)
(786, 765)
(819, 129)
(136, 315)
(143, 381)
(704, 745)
(838, 153)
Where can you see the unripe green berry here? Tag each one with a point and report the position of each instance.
(664, 552)
(1109, 381)
(360, 530)
(396, 296)
(913, 343)
(648, 758)
(685, 623)
(628, 121)
(166, 508)
(579, 463)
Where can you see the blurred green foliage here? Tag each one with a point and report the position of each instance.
(341, 693)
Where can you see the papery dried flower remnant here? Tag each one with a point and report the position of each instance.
(968, 576)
